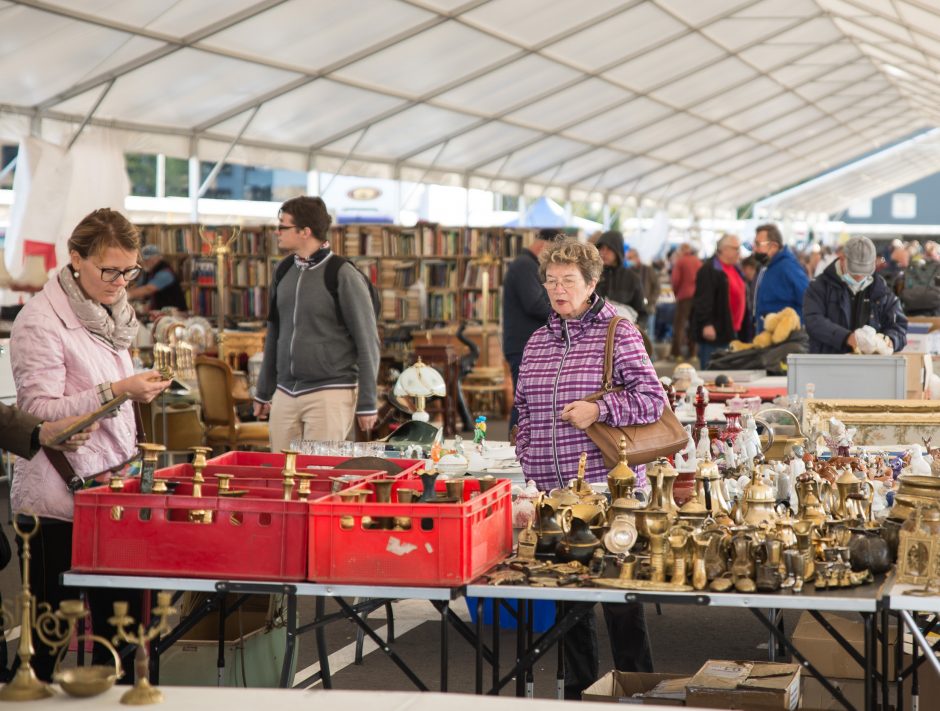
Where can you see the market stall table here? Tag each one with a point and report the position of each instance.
(229, 699)
(374, 597)
(579, 601)
(909, 607)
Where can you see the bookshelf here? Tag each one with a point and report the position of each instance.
(431, 274)
(249, 271)
(428, 275)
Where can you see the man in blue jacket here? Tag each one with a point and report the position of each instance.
(849, 295)
(783, 280)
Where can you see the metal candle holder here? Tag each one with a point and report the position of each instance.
(220, 247)
(143, 693)
(26, 686)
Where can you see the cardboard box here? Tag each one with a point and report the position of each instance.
(629, 687)
(918, 369)
(254, 652)
(827, 655)
(745, 685)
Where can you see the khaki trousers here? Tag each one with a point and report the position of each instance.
(321, 415)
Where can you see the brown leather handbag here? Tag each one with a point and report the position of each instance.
(645, 443)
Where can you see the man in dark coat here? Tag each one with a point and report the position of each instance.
(847, 296)
(618, 283)
(720, 300)
(526, 307)
(158, 283)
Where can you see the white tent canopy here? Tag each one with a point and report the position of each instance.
(865, 179)
(713, 102)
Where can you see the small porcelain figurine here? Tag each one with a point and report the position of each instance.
(918, 464)
(479, 431)
(686, 460)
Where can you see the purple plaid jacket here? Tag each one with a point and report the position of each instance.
(564, 362)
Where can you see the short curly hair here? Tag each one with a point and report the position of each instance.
(309, 212)
(583, 255)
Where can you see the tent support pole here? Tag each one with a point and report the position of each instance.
(425, 174)
(228, 151)
(345, 159)
(90, 114)
(8, 168)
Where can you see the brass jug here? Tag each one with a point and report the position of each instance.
(662, 476)
(621, 479)
(810, 504)
(579, 543)
(846, 483)
(708, 480)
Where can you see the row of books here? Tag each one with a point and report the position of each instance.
(471, 306)
(244, 303)
(428, 241)
(402, 306)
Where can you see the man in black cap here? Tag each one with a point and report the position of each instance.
(526, 307)
(847, 296)
(618, 283)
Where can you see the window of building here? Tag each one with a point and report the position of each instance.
(7, 154)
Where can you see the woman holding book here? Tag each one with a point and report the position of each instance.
(70, 355)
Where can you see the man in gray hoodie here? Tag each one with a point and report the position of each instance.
(321, 352)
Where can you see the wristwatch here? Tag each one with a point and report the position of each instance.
(34, 443)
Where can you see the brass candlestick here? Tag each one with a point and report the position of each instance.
(220, 247)
(303, 488)
(199, 463)
(289, 472)
(26, 686)
(143, 693)
(151, 455)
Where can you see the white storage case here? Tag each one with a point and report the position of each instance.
(846, 377)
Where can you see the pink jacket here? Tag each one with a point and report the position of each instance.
(57, 365)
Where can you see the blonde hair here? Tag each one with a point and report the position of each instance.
(101, 229)
(583, 255)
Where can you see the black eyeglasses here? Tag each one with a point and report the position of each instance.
(284, 228)
(110, 275)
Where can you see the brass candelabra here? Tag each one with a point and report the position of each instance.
(26, 686)
(143, 693)
(220, 247)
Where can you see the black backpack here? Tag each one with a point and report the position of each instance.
(331, 278)
(920, 293)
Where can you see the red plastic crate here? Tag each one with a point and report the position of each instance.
(255, 537)
(267, 477)
(447, 544)
(304, 461)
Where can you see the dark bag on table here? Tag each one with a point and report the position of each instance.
(645, 443)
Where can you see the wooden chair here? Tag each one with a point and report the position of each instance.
(223, 428)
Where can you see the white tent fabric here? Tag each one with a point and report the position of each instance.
(713, 102)
(878, 174)
(54, 192)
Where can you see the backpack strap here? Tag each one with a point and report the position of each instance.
(282, 268)
(331, 279)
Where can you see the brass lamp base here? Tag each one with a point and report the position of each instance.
(26, 687)
(143, 694)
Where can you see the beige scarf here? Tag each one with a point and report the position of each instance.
(116, 328)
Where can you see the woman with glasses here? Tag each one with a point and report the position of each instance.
(563, 363)
(70, 355)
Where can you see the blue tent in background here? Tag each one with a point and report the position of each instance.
(545, 212)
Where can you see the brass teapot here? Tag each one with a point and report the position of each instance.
(662, 476)
(759, 502)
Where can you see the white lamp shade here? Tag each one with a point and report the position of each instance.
(420, 380)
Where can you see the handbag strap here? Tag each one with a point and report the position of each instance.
(608, 382)
(64, 468)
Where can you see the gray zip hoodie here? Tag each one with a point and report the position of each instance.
(314, 350)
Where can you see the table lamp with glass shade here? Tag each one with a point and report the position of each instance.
(420, 381)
